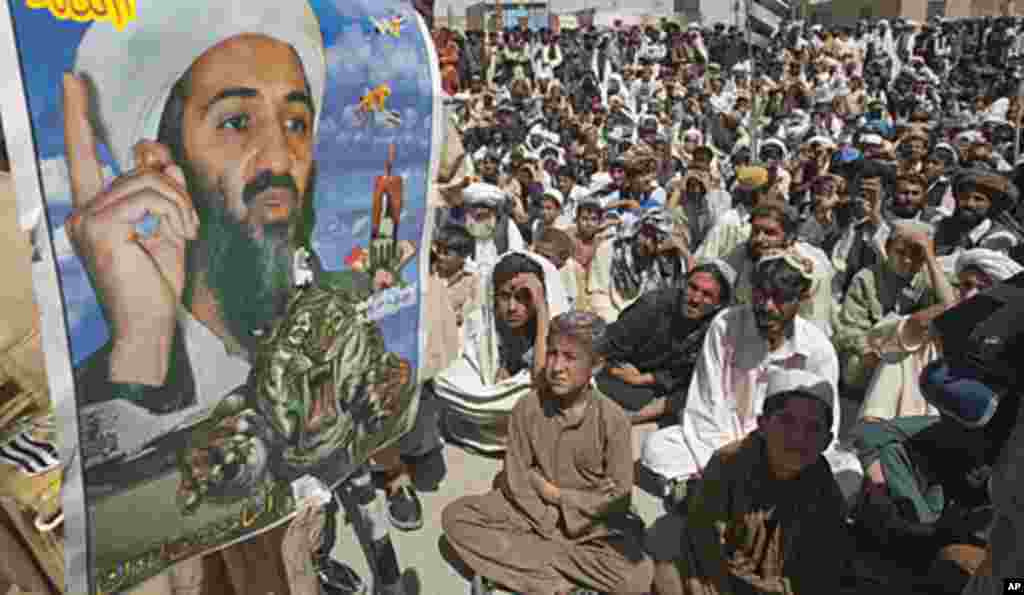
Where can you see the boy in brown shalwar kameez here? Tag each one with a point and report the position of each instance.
(555, 522)
(768, 515)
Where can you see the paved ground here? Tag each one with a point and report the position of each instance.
(428, 571)
(459, 472)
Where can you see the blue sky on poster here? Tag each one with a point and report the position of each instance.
(357, 58)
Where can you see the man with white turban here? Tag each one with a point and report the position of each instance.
(981, 268)
(487, 220)
(210, 112)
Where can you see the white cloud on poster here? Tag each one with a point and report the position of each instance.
(376, 8)
(378, 59)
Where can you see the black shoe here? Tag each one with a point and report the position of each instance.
(339, 579)
(404, 509)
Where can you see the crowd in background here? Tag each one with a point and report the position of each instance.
(744, 224)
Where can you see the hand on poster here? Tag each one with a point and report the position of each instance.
(122, 264)
(304, 535)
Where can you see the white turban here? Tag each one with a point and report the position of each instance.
(482, 194)
(996, 265)
(822, 140)
(133, 71)
(775, 142)
(971, 136)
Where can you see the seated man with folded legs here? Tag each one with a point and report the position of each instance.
(654, 345)
(769, 517)
(728, 388)
(558, 521)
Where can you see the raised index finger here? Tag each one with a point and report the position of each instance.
(84, 167)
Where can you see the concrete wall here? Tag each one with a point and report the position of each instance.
(848, 12)
(981, 8)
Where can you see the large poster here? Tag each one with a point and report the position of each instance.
(235, 199)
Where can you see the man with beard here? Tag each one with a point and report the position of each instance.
(221, 158)
(910, 201)
(773, 226)
(732, 228)
(487, 220)
(743, 345)
(981, 197)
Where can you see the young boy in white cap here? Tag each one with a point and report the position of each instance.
(769, 517)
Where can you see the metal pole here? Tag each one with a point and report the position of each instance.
(754, 99)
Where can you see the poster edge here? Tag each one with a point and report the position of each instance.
(19, 135)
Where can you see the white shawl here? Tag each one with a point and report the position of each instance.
(469, 386)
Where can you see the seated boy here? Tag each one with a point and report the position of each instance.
(557, 522)
(768, 517)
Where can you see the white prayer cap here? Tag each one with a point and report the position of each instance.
(132, 71)
(996, 265)
(971, 136)
(482, 194)
(872, 140)
(821, 140)
(784, 380)
(775, 142)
